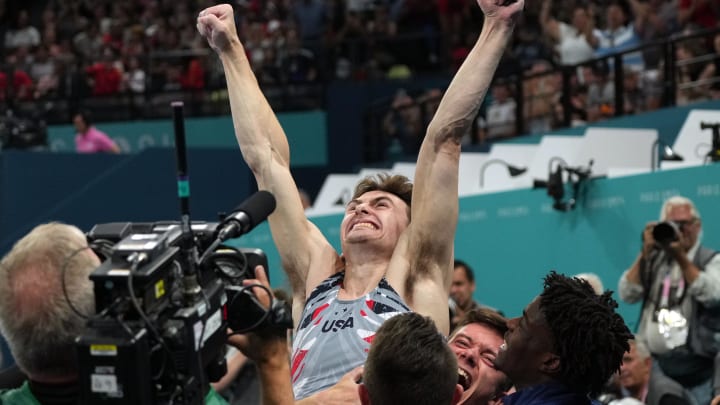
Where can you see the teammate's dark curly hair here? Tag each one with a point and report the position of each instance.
(590, 337)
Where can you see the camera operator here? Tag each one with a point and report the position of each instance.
(45, 298)
(678, 282)
(35, 317)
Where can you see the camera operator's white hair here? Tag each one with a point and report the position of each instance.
(676, 201)
(35, 316)
(640, 348)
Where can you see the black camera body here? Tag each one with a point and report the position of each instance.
(666, 233)
(151, 342)
(18, 132)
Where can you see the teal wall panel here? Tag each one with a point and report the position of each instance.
(84, 190)
(306, 133)
(513, 239)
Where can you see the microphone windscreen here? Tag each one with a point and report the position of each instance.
(258, 207)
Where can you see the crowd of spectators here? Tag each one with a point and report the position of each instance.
(77, 49)
(82, 48)
(557, 37)
(138, 49)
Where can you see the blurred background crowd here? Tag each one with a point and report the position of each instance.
(127, 58)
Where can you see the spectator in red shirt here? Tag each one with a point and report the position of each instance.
(22, 84)
(703, 13)
(114, 37)
(105, 77)
(194, 77)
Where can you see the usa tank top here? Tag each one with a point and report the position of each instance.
(334, 336)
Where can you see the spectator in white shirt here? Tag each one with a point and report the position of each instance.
(24, 34)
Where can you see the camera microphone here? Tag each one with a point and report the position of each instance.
(247, 215)
(191, 286)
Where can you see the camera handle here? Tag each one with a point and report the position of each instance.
(714, 153)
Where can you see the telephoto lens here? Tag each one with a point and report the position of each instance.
(665, 233)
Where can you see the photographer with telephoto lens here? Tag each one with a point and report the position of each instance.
(678, 282)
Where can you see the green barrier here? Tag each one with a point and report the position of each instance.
(306, 131)
(513, 239)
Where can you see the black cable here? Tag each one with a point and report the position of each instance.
(130, 333)
(104, 247)
(209, 250)
(135, 302)
(63, 269)
(124, 325)
(136, 305)
(222, 260)
(106, 311)
(162, 367)
(265, 315)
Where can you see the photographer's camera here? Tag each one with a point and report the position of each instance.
(666, 233)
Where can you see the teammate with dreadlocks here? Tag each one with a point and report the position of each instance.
(566, 345)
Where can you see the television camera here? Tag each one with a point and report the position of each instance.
(164, 297)
(556, 187)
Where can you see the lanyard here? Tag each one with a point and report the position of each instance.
(665, 297)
